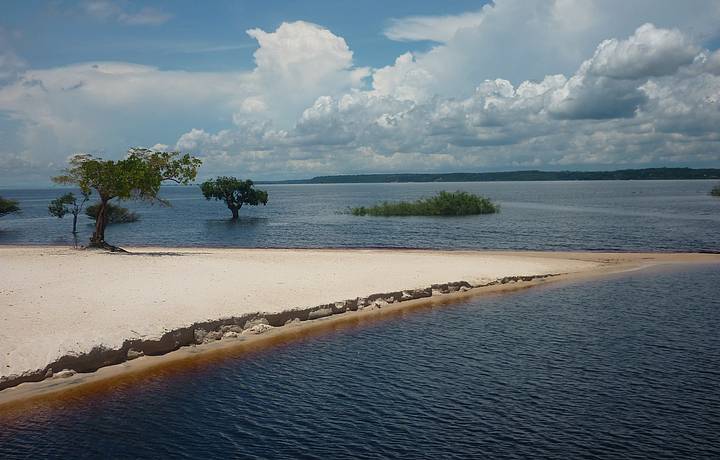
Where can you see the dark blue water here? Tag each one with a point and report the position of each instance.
(616, 368)
(612, 215)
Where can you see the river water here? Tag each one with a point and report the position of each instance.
(607, 215)
(625, 367)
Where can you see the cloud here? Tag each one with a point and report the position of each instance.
(434, 28)
(106, 107)
(532, 85)
(657, 113)
(608, 84)
(525, 40)
(649, 52)
(711, 63)
(297, 63)
(404, 79)
(10, 63)
(101, 105)
(117, 11)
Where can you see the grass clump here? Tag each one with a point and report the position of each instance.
(115, 214)
(442, 204)
(715, 191)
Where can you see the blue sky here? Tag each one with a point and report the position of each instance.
(288, 89)
(205, 35)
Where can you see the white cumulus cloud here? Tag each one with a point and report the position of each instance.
(106, 107)
(655, 113)
(527, 39)
(649, 52)
(518, 84)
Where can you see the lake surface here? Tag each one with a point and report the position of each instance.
(616, 368)
(606, 215)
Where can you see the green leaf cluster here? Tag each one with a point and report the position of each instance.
(443, 204)
(234, 192)
(67, 204)
(139, 175)
(715, 191)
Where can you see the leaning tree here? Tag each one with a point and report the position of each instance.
(69, 204)
(234, 192)
(8, 206)
(137, 176)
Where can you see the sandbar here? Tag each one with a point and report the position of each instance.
(83, 310)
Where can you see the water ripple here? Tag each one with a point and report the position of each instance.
(622, 368)
(620, 215)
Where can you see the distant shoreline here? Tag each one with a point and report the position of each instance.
(514, 176)
(648, 174)
(157, 306)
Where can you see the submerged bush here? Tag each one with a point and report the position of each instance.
(8, 206)
(115, 214)
(442, 204)
(715, 191)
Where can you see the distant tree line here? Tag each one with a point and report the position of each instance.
(532, 175)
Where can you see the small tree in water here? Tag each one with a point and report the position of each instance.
(68, 204)
(8, 206)
(234, 192)
(137, 176)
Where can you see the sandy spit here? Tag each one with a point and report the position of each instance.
(57, 302)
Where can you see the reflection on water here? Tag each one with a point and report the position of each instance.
(618, 368)
(241, 221)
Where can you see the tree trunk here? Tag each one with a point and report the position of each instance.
(75, 223)
(235, 212)
(98, 237)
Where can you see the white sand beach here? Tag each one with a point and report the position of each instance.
(59, 302)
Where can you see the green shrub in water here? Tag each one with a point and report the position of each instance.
(115, 214)
(442, 204)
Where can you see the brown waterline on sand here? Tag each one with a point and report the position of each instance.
(230, 327)
(53, 393)
(289, 323)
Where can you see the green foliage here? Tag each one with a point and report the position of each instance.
(8, 206)
(115, 214)
(715, 191)
(442, 204)
(234, 192)
(139, 175)
(59, 206)
(67, 204)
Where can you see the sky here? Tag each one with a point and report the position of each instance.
(283, 89)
